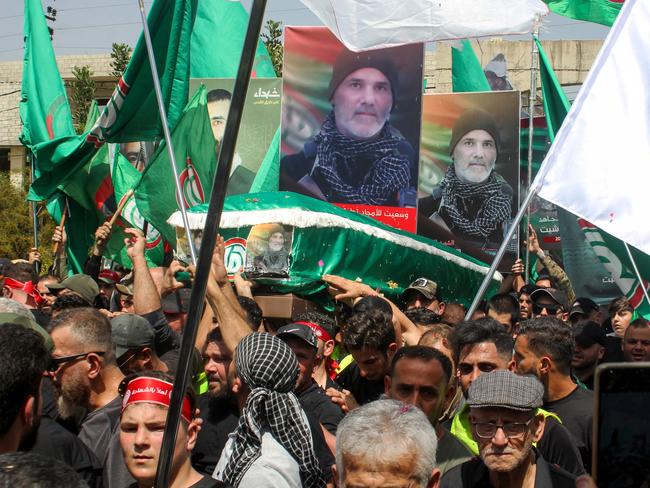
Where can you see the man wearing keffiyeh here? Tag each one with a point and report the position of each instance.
(357, 157)
(473, 201)
(272, 445)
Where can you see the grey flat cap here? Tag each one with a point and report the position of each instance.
(504, 389)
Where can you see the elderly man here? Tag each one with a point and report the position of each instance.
(505, 423)
(473, 201)
(399, 449)
(357, 157)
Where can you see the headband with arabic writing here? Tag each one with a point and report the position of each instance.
(145, 389)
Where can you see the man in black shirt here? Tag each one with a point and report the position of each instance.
(544, 347)
(590, 343)
(370, 338)
(303, 342)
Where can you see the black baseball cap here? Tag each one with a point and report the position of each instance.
(557, 296)
(588, 334)
(298, 330)
(583, 305)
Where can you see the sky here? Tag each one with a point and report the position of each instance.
(91, 26)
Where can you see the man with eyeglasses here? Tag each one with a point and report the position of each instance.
(550, 302)
(505, 422)
(423, 292)
(87, 376)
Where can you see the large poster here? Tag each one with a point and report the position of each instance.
(259, 123)
(351, 125)
(469, 171)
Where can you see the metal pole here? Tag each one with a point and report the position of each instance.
(213, 219)
(37, 265)
(163, 120)
(636, 271)
(532, 97)
(499, 255)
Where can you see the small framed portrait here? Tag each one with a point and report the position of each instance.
(268, 251)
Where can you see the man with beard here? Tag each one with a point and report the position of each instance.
(87, 376)
(473, 202)
(505, 422)
(590, 342)
(218, 408)
(23, 360)
(357, 157)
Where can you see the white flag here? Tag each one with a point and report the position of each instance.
(374, 24)
(598, 167)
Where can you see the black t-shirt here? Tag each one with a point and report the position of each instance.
(558, 446)
(220, 418)
(613, 352)
(576, 411)
(315, 401)
(364, 391)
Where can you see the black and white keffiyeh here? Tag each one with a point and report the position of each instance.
(270, 370)
(389, 173)
(490, 206)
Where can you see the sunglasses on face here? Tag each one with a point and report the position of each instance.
(56, 363)
(551, 308)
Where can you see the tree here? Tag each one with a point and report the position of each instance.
(272, 38)
(120, 56)
(83, 92)
(16, 224)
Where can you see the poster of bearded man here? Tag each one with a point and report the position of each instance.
(351, 125)
(469, 171)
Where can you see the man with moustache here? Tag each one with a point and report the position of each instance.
(357, 157)
(473, 201)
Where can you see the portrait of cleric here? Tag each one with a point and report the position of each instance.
(268, 251)
(473, 202)
(359, 154)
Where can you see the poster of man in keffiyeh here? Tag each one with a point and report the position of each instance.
(351, 125)
(469, 171)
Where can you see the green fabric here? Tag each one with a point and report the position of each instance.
(196, 160)
(268, 176)
(556, 103)
(460, 427)
(599, 11)
(466, 72)
(44, 108)
(330, 240)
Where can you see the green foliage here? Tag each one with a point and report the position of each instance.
(83, 92)
(120, 56)
(16, 224)
(272, 38)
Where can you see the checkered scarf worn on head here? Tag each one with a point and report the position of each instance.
(495, 208)
(389, 173)
(270, 370)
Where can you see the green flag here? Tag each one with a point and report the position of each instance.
(44, 109)
(466, 72)
(268, 176)
(598, 11)
(196, 159)
(556, 103)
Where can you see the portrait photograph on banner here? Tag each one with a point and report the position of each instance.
(259, 123)
(469, 171)
(351, 125)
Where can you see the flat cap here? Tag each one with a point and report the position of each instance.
(504, 389)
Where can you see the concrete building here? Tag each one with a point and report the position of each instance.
(571, 61)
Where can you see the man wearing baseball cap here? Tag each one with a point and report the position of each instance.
(423, 292)
(357, 157)
(550, 302)
(79, 284)
(473, 201)
(590, 344)
(302, 340)
(584, 309)
(505, 422)
(135, 344)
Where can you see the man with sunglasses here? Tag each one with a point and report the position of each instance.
(505, 422)
(423, 292)
(87, 376)
(550, 302)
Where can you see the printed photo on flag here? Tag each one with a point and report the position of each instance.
(268, 251)
(351, 125)
(259, 124)
(469, 171)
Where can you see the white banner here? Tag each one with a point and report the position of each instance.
(374, 24)
(599, 165)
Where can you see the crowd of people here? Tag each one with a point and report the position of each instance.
(379, 393)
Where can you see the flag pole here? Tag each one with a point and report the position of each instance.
(165, 127)
(636, 271)
(213, 219)
(499, 255)
(532, 97)
(37, 265)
